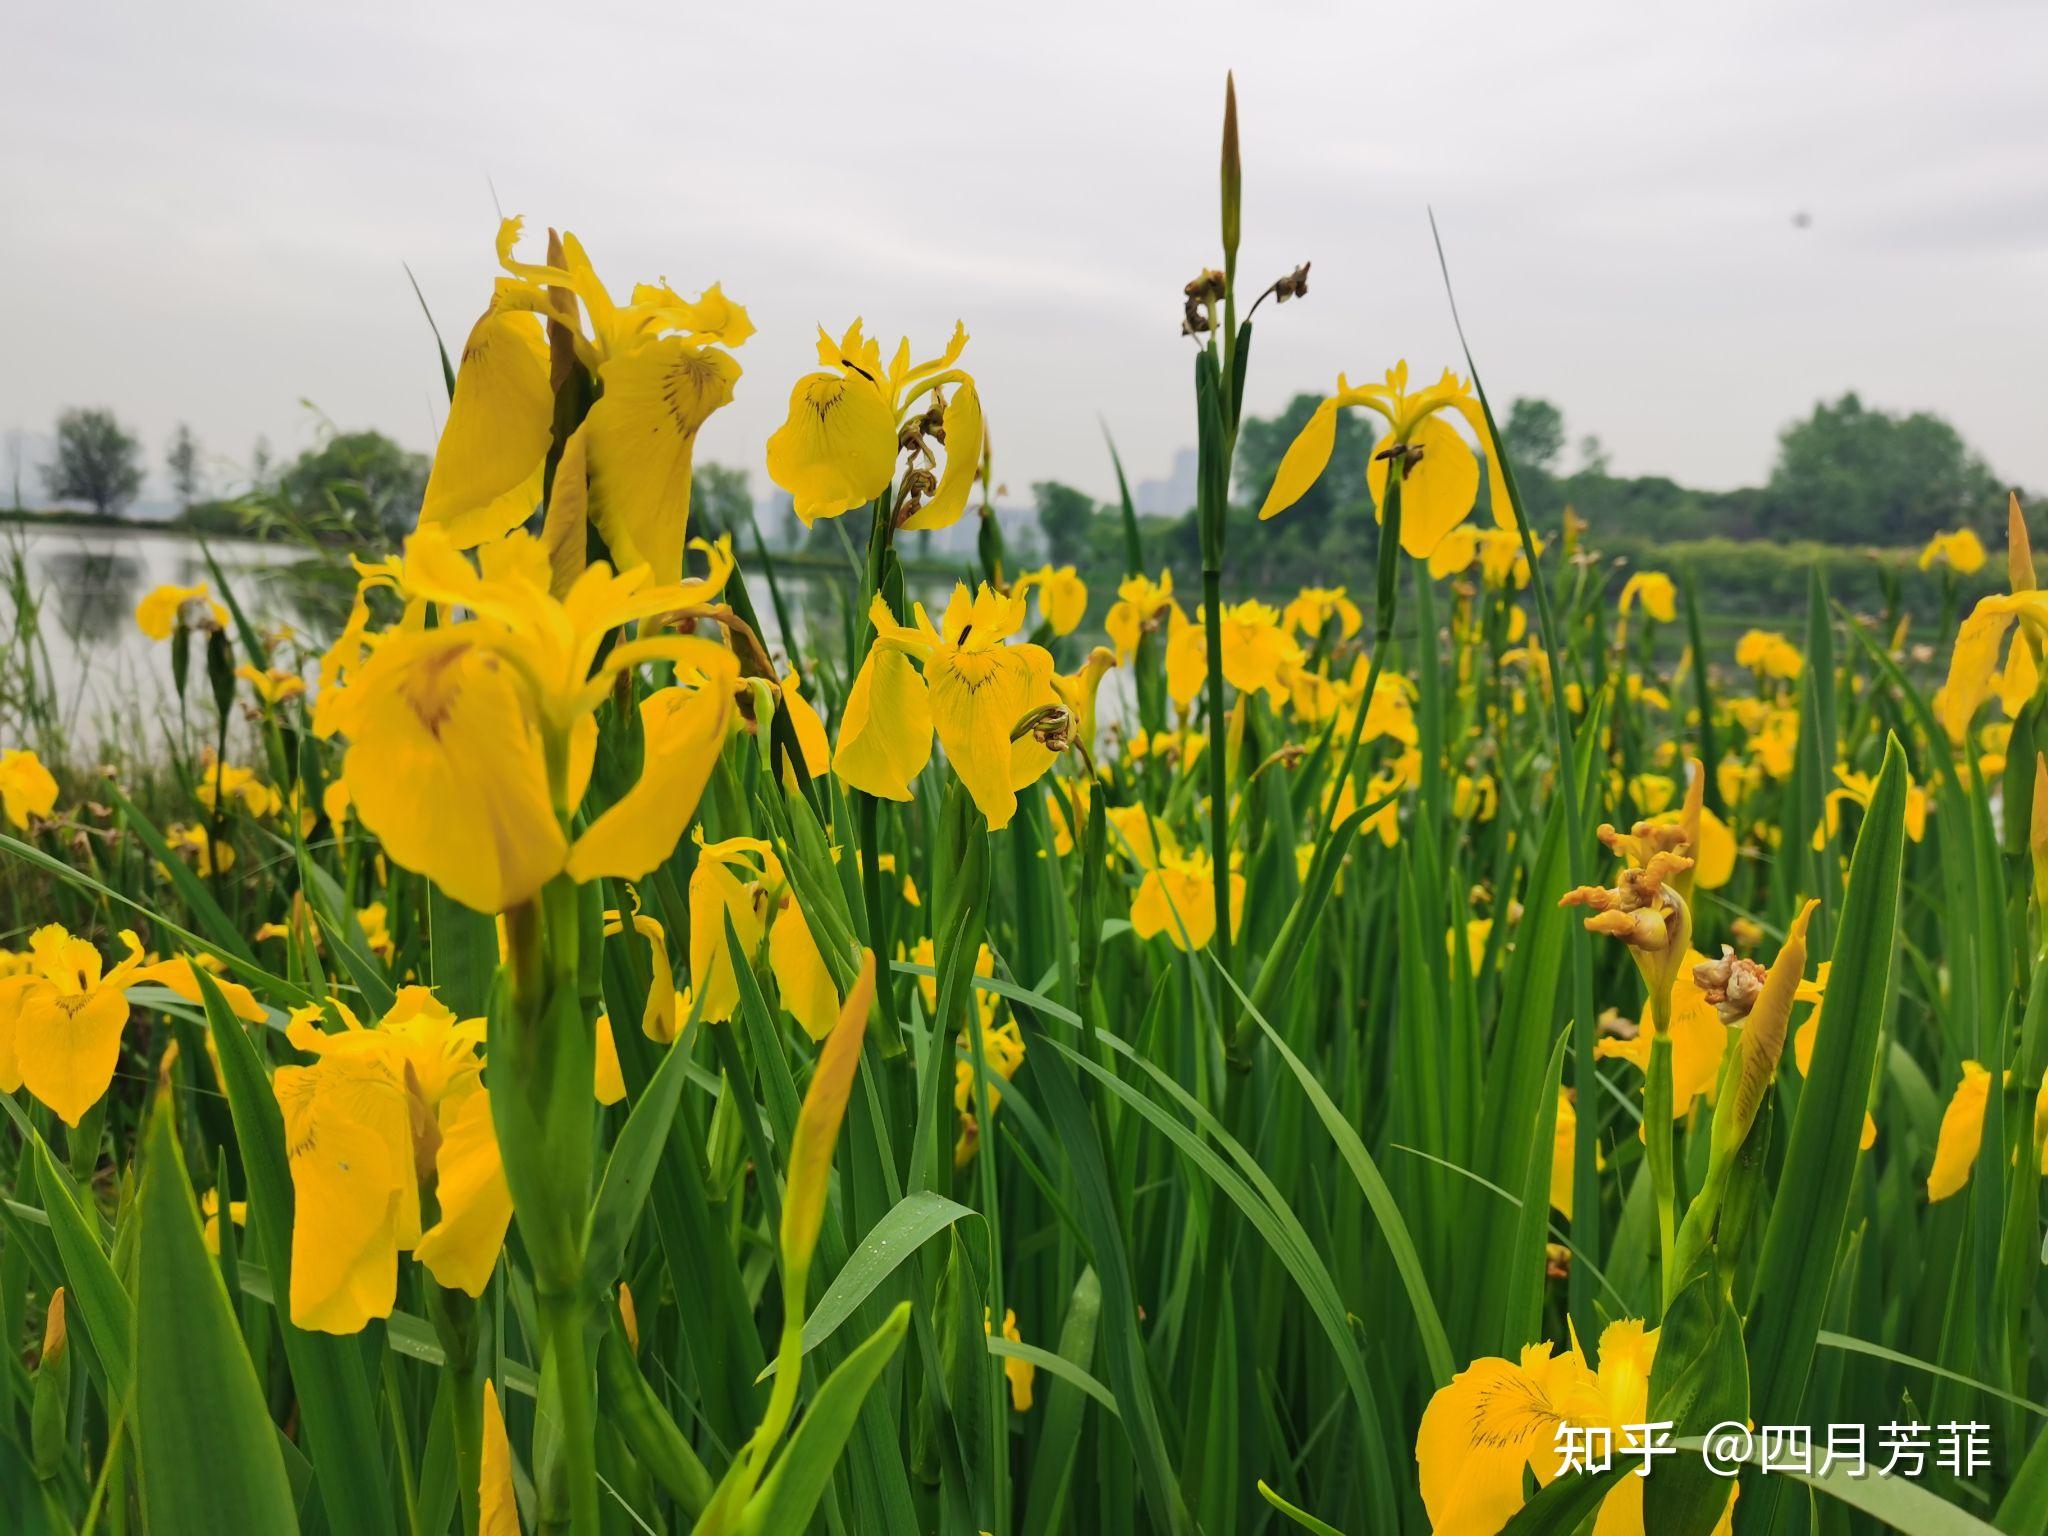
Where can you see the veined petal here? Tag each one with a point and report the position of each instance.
(643, 435)
(446, 768)
(66, 1048)
(1478, 1434)
(977, 698)
(963, 461)
(1436, 493)
(837, 448)
(487, 469)
(885, 731)
(683, 731)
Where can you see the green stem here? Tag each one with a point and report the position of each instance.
(1657, 1093)
(1219, 767)
(569, 1498)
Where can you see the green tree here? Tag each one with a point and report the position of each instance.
(1533, 435)
(1064, 516)
(1851, 474)
(356, 482)
(182, 460)
(97, 461)
(720, 500)
(1336, 497)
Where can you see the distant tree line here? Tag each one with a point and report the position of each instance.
(1847, 474)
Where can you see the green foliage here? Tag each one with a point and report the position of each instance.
(98, 462)
(1849, 472)
(1064, 518)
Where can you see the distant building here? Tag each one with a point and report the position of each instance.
(1172, 496)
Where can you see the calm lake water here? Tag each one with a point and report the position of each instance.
(110, 683)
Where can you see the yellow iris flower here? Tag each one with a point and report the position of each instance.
(384, 1117)
(975, 691)
(1312, 608)
(1141, 606)
(271, 686)
(742, 881)
(838, 447)
(660, 370)
(470, 744)
(1258, 653)
(167, 608)
(26, 787)
(1962, 551)
(1502, 560)
(1498, 1418)
(1855, 788)
(1975, 660)
(61, 1018)
(1062, 596)
(1655, 591)
(1003, 1049)
(1768, 655)
(1442, 479)
(1177, 897)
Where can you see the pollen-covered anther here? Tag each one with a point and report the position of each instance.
(1732, 984)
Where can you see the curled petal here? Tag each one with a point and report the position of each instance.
(963, 461)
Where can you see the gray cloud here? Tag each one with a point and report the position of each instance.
(209, 204)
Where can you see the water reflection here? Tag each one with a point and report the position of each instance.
(96, 683)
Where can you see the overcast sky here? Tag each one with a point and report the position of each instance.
(207, 205)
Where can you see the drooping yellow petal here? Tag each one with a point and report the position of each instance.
(885, 731)
(809, 730)
(609, 1082)
(643, 437)
(1973, 662)
(67, 1046)
(565, 532)
(1962, 1134)
(461, 1249)
(682, 731)
(963, 462)
(497, 1498)
(1437, 493)
(1304, 462)
(837, 448)
(349, 1144)
(486, 477)
(800, 973)
(446, 768)
(817, 1124)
